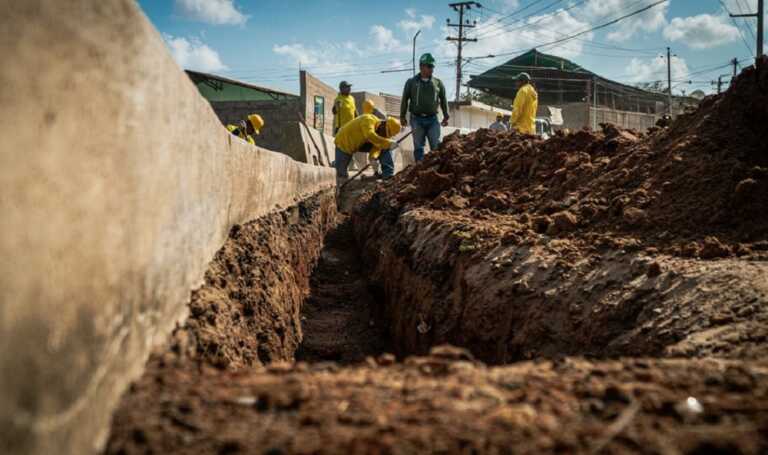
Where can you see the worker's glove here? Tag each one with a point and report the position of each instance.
(403, 122)
(445, 120)
(374, 155)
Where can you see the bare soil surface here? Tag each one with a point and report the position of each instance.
(341, 320)
(447, 403)
(615, 282)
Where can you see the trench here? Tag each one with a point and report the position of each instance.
(287, 351)
(342, 319)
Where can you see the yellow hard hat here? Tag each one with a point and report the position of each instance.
(499, 116)
(368, 107)
(393, 126)
(257, 122)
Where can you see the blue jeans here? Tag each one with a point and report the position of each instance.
(424, 128)
(387, 163)
(342, 161)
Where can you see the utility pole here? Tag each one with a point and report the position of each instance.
(735, 63)
(760, 15)
(459, 8)
(669, 82)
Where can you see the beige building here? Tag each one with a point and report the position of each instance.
(472, 115)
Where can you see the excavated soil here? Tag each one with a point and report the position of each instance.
(623, 275)
(602, 244)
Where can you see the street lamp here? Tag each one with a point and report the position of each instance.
(414, 52)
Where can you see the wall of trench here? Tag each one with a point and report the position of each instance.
(523, 302)
(118, 185)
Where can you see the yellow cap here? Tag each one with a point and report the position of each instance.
(257, 122)
(393, 126)
(368, 107)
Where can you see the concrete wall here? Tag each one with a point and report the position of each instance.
(474, 115)
(392, 103)
(278, 115)
(378, 100)
(311, 87)
(575, 117)
(116, 190)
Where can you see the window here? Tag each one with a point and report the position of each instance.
(319, 120)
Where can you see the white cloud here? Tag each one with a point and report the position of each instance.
(544, 28)
(654, 69)
(702, 31)
(216, 12)
(412, 25)
(321, 58)
(648, 21)
(506, 5)
(384, 40)
(194, 54)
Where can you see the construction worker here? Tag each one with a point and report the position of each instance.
(344, 109)
(422, 95)
(245, 130)
(368, 134)
(524, 108)
(499, 124)
(369, 107)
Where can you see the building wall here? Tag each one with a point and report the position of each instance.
(576, 117)
(112, 216)
(378, 101)
(392, 103)
(281, 122)
(312, 87)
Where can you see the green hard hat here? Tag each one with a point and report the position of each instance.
(427, 59)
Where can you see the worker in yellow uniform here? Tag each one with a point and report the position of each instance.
(369, 107)
(246, 129)
(523, 118)
(344, 109)
(368, 134)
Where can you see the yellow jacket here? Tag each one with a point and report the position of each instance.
(237, 131)
(360, 131)
(524, 109)
(345, 110)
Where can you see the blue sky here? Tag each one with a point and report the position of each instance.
(265, 41)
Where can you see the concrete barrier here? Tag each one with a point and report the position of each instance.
(117, 186)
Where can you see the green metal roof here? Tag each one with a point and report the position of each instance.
(557, 79)
(218, 88)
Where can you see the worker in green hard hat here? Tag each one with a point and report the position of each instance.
(422, 96)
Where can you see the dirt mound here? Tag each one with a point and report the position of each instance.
(608, 243)
(699, 188)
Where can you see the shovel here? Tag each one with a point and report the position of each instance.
(397, 144)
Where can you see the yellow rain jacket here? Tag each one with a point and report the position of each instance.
(361, 131)
(237, 131)
(345, 110)
(524, 109)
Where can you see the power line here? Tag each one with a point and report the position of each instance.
(492, 32)
(598, 27)
(739, 29)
